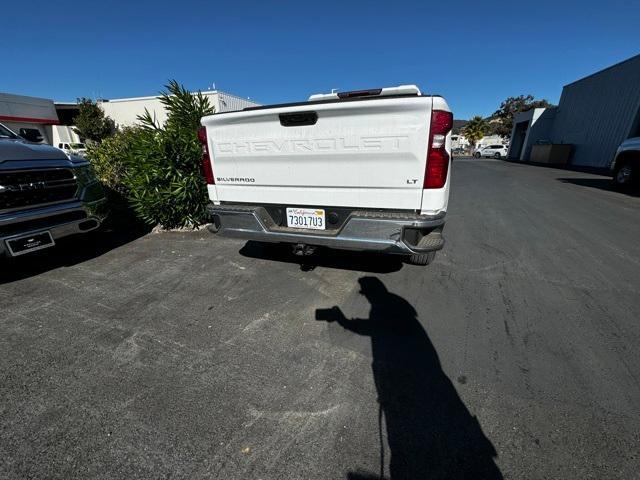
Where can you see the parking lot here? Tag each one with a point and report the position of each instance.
(182, 355)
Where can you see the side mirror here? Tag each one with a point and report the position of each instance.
(31, 134)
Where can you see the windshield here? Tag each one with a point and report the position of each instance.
(6, 133)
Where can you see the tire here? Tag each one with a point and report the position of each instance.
(477, 155)
(421, 259)
(624, 175)
(497, 155)
(214, 226)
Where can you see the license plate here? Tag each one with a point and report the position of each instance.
(29, 243)
(312, 218)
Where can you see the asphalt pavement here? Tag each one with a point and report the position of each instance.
(186, 356)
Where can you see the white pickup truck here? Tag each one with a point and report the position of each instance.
(362, 170)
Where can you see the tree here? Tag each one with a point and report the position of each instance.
(163, 177)
(91, 123)
(475, 129)
(513, 105)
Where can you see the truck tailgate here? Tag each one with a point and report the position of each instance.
(366, 153)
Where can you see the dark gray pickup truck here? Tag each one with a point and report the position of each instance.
(45, 195)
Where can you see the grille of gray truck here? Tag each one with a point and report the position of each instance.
(35, 187)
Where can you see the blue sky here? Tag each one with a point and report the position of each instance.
(473, 53)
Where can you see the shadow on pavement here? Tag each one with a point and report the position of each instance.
(324, 257)
(68, 252)
(602, 184)
(430, 432)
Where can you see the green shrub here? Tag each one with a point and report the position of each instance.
(108, 158)
(155, 169)
(163, 176)
(109, 162)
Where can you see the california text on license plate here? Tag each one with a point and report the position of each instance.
(312, 218)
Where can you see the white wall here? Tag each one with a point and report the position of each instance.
(63, 134)
(125, 111)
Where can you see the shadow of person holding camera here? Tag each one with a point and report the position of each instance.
(430, 432)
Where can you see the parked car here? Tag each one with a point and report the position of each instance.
(495, 151)
(45, 194)
(362, 170)
(625, 166)
(73, 148)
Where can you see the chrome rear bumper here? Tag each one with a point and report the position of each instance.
(389, 232)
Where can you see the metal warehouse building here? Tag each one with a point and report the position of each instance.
(595, 114)
(125, 111)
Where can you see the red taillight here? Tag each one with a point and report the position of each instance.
(435, 175)
(207, 170)
(437, 168)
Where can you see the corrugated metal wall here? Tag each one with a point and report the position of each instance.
(597, 113)
(229, 103)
